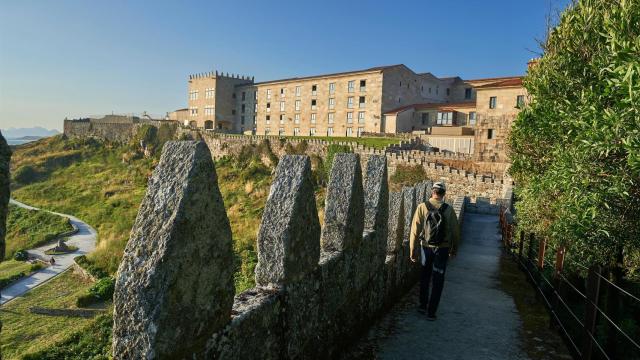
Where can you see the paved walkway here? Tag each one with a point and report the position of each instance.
(84, 239)
(476, 318)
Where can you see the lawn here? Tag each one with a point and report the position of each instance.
(24, 332)
(27, 229)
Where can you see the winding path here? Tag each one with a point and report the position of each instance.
(85, 239)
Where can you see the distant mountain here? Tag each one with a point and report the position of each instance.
(18, 133)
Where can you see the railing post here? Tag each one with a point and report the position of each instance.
(542, 247)
(590, 314)
(521, 245)
(557, 282)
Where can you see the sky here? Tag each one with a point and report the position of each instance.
(78, 58)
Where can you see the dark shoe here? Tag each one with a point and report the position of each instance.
(431, 317)
(422, 310)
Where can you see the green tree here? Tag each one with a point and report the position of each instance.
(576, 146)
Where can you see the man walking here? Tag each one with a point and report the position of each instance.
(435, 233)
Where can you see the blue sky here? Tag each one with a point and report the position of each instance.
(71, 58)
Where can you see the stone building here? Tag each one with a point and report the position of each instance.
(375, 100)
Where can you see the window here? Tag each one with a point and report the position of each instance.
(520, 101)
(233, 111)
(281, 131)
(312, 131)
(255, 95)
(360, 117)
(194, 111)
(281, 119)
(467, 93)
(351, 86)
(242, 130)
(268, 119)
(242, 120)
(329, 131)
(193, 95)
(492, 102)
(350, 102)
(332, 88)
(360, 131)
(281, 105)
(361, 102)
(490, 134)
(283, 92)
(399, 99)
(313, 118)
(314, 90)
(429, 90)
(298, 90)
(233, 96)
(296, 118)
(425, 118)
(209, 110)
(444, 118)
(268, 107)
(313, 104)
(242, 108)
(296, 131)
(255, 107)
(332, 103)
(472, 118)
(297, 105)
(255, 120)
(208, 124)
(349, 117)
(448, 91)
(349, 131)
(331, 118)
(243, 96)
(363, 85)
(208, 93)
(268, 94)
(267, 131)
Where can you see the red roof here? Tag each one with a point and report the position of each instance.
(377, 68)
(503, 83)
(438, 106)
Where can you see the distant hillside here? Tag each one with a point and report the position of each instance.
(31, 133)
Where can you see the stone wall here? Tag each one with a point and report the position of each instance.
(318, 287)
(116, 131)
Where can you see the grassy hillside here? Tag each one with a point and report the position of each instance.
(24, 332)
(27, 229)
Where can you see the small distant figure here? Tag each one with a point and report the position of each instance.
(52, 261)
(435, 226)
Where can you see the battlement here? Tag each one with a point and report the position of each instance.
(219, 75)
(318, 286)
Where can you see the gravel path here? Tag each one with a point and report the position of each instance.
(84, 239)
(476, 318)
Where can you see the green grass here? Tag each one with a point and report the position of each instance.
(27, 229)
(12, 270)
(24, 332)
(70, 249)
(97, 187)
(374, 142)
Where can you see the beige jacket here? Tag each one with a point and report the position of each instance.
(452, 235)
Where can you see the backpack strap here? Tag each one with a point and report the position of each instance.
(443, 207)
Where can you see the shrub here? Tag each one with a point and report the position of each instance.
(21, 255)
(35, 267)
(102, 290)
(26, 175)
(407, 175)
(84, 263)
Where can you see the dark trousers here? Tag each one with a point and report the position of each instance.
(434, 264)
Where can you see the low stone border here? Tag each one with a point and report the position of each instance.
(83, 313)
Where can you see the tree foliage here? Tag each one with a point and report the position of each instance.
(576, 146)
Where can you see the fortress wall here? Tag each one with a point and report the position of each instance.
(318, 287)
(114, 131)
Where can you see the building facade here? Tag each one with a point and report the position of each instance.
(386, 99)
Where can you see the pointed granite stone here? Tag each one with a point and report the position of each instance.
(344, 205)
(174, 287)
(289, 235)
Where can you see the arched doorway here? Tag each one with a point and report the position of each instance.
(208, 125)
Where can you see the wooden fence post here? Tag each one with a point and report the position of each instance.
(542, 247)
(591, 312)
(521, 245)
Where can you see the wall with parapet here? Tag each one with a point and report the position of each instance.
(317, 287)
(104, 129)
